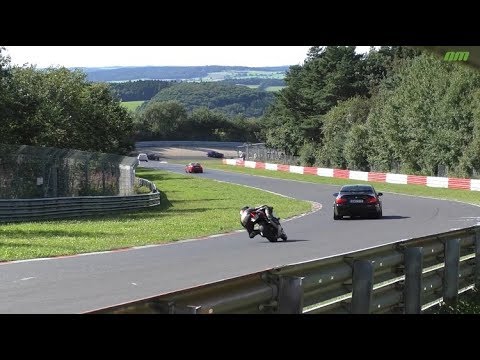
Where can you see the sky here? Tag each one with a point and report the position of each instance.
(111, 56)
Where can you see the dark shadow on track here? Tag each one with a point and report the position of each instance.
(281, 241)
(394, 217)
(384, 217)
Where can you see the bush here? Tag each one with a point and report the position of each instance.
(468, 303)
(141, 189)
(307, 154)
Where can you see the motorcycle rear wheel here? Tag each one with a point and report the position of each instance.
(272, 238)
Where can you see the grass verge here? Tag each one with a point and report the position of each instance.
(468, 303)
(274, 88)
(132, 105)
(191, 207)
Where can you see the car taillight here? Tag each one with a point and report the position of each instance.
(371, 200)
(340, 200)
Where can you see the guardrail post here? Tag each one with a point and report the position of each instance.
(290, 295)
(169, 307)
(163, 307)
(362, 286)
(189, 309)
(477, 259)
(450, 278)
(413, 280)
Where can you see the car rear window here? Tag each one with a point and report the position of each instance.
(357, 189)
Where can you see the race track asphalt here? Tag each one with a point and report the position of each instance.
(84, 283)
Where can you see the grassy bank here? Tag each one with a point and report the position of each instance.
(191, 207)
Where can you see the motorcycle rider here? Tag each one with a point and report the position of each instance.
(249, 225)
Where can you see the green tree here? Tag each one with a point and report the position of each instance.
(209, 125)
(469, 162)
(427, 119)
(59, 108)
(337, 124)
(109, 124)
(382, 63)
(355, 148)
(286, 137)
(328, 76)
(162, 119)
(138, 90)
(5, 93)
(307, 154)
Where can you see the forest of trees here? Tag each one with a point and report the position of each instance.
(395, 109)
(230, 99)
(144, 90)
(140, 90)
(170, 120)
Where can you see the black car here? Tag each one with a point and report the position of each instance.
(153, 156)
(215, 154)
(357, 200)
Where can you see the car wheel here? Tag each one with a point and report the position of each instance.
(337, 217)
(378, 215)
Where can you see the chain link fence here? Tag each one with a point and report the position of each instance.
(41, 172)
(259, 152)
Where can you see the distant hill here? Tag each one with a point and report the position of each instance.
(227, 98)
(143, 90)
(192, 73)
(139, 90)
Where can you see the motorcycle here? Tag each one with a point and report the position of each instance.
(262, 224)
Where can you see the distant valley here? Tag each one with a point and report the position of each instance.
(184, 73)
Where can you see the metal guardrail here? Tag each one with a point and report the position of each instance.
(64, 207)
(405, 277)
(147, 183)
(259, 152)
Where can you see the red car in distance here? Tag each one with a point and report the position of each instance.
(194, 168)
